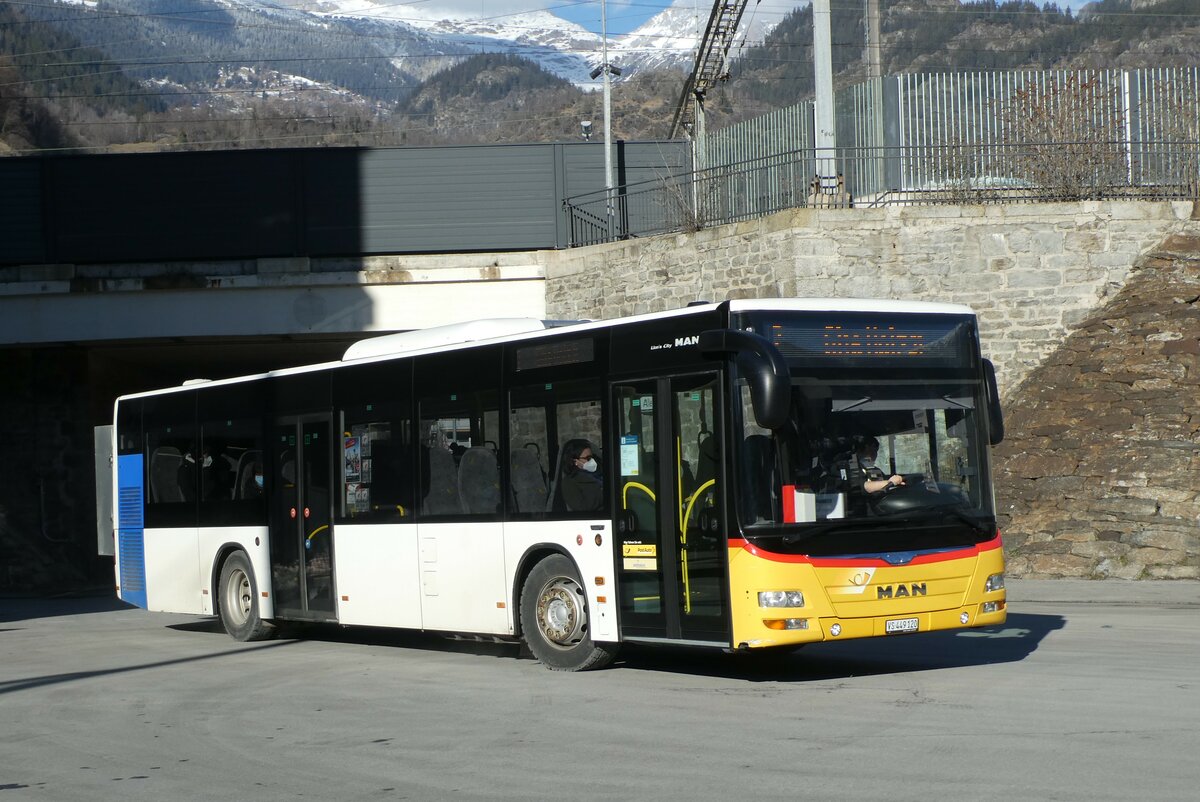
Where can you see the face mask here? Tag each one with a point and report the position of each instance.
(258, 480)
(208, 462)
(590, 466)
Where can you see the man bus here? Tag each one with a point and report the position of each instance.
(419, 482)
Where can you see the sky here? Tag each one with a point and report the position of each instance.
(623, 15)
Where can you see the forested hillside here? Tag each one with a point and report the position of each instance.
(155, 74)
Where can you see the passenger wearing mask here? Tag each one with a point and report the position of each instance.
(582, 484)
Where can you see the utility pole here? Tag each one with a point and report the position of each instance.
(608, 171)
(874, 60)
(607, 70)
(826, 132)
(874, 56)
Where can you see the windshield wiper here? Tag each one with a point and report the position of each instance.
(840, 524)
(978, 524)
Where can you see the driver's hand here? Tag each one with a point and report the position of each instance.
(896, 480)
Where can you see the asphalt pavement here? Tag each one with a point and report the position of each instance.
(1090, 691)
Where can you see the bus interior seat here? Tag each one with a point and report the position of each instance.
(442, 497)
(706, 465)
(479, 481)
(527, 480)
(554, 501)
(706, 471)
(642, 507)
(165, 463)
(389, 491)
(243, 486)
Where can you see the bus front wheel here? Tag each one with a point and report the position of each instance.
(238, 600)
(554, 618)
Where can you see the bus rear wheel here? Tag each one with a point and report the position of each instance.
(237, 600)
(554, 618)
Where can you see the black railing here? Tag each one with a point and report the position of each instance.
(925, 175)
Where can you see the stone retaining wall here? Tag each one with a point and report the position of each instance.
(1031, 271)
(1100, 474)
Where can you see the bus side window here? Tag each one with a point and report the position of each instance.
(169, 426)
(529, 451)
(578, 417)
(461, 432)
(377, 464)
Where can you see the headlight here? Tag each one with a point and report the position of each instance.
(780, 598)
(994, 582)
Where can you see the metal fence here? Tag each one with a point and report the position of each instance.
(692, 201)
(932, 138)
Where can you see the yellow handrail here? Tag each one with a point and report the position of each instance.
(636, 486)
(692, 501)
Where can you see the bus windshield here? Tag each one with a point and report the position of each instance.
(866, 466)
(884, 448)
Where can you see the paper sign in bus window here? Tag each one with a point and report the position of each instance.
(353, 459)
(630, 455)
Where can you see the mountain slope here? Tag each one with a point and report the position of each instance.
(230, 73)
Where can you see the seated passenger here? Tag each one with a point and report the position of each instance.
(582, 485)
(874, 480)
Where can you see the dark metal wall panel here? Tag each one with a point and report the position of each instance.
(459, 199)
(175, 206)
(21, 225)
(311, 202)
(633, 162)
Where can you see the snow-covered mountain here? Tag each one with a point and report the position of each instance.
(668, 40)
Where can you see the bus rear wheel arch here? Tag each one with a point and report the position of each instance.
(237, 600)
(554, 618)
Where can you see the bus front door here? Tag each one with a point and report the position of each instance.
(671, 554)
(301, 518)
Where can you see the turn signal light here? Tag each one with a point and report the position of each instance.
(786, 623)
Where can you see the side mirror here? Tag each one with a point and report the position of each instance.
(995, 414)
(764, 368)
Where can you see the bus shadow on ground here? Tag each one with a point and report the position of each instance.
(372, 636)
(25, 608)
(1012, 642)
(1015, 640)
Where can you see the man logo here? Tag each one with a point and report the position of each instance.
(682, 341)
(900, 591)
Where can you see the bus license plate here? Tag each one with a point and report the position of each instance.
(898, 625)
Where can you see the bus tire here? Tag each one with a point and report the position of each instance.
(237, 600)
(554, 618)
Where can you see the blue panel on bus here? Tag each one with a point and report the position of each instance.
(130, 528)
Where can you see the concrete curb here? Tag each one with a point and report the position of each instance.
(1181, 592)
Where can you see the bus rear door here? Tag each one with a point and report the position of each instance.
(301, 517)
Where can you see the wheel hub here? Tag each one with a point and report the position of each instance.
(237, 597)
(560, 613)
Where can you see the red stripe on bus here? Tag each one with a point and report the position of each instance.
(864, 562)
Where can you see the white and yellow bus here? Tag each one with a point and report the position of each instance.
(432, 480)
